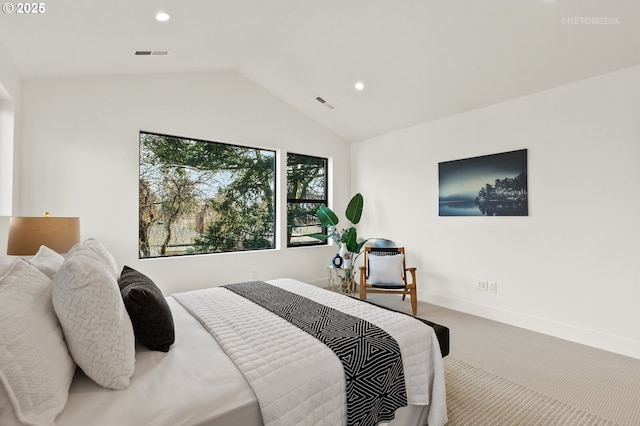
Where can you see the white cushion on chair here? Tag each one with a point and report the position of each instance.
(386, 269)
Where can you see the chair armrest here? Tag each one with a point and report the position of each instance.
(413, 275)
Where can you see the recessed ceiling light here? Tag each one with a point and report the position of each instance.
(359, 85)
(162, 16)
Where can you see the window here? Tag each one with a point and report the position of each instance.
(306, 191)
(204, 197)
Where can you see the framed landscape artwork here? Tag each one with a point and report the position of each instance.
(490, 185)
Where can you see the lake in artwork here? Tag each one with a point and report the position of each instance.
(490, 185)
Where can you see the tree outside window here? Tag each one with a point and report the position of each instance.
(306, 191)
(204, 197)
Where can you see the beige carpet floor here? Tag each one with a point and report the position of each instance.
(580, 384)
(477, 397)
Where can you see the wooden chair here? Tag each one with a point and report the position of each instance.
(385, 272)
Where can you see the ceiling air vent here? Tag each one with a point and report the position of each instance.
(151, 52)
(325, 103)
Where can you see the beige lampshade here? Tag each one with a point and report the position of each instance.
(27, 234)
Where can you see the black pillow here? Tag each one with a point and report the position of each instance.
(148, 309)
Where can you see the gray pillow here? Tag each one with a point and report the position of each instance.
(148, 309)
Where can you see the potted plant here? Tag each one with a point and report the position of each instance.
(346, 238)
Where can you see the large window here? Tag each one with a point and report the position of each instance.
(306, 191)
(204, 197)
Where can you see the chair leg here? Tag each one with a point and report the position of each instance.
(414, 302)
(363, 291)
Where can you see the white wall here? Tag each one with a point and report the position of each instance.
(10, 83)
(572, 267)
(10, 94)
(7, 116)
(7, 120)
(79, 157)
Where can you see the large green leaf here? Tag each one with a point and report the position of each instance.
(327, 216)
(350, 238)
(354, 208)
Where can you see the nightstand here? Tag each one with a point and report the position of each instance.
(341, 280)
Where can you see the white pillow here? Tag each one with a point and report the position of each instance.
(35, 366)
(47, 261)
(5, 262)
(7, 415)
(99, 334)
(386, 269)
(104, 254)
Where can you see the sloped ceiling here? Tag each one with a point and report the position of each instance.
(420, 60)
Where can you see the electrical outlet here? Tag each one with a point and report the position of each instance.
(493, 287)
(481, 285)
(254, 274)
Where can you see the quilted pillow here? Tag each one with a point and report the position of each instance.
(35, 366)
(7, 415)
(148, 309)
(386, 269)
(47, 261)
(5, 262)
(95, 322)
(98, 248)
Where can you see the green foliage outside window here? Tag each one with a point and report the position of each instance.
(204, 197)
(306, 191)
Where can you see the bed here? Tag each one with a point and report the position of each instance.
(234, 362)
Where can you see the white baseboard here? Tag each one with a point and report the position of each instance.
(321, 282)
(605, 341)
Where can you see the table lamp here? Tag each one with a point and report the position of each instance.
(27, 234)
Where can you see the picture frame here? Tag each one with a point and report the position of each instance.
(488, 185)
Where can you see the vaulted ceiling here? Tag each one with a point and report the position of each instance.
(419, 60)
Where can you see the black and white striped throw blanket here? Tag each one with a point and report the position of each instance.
(370, 356)
(297, 378)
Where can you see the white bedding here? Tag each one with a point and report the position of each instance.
(417, 341)
(297, 379)
(195, 383)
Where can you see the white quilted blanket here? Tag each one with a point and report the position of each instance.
(296, 378)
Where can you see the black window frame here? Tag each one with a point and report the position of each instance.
(314, 201)
(273, 170)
